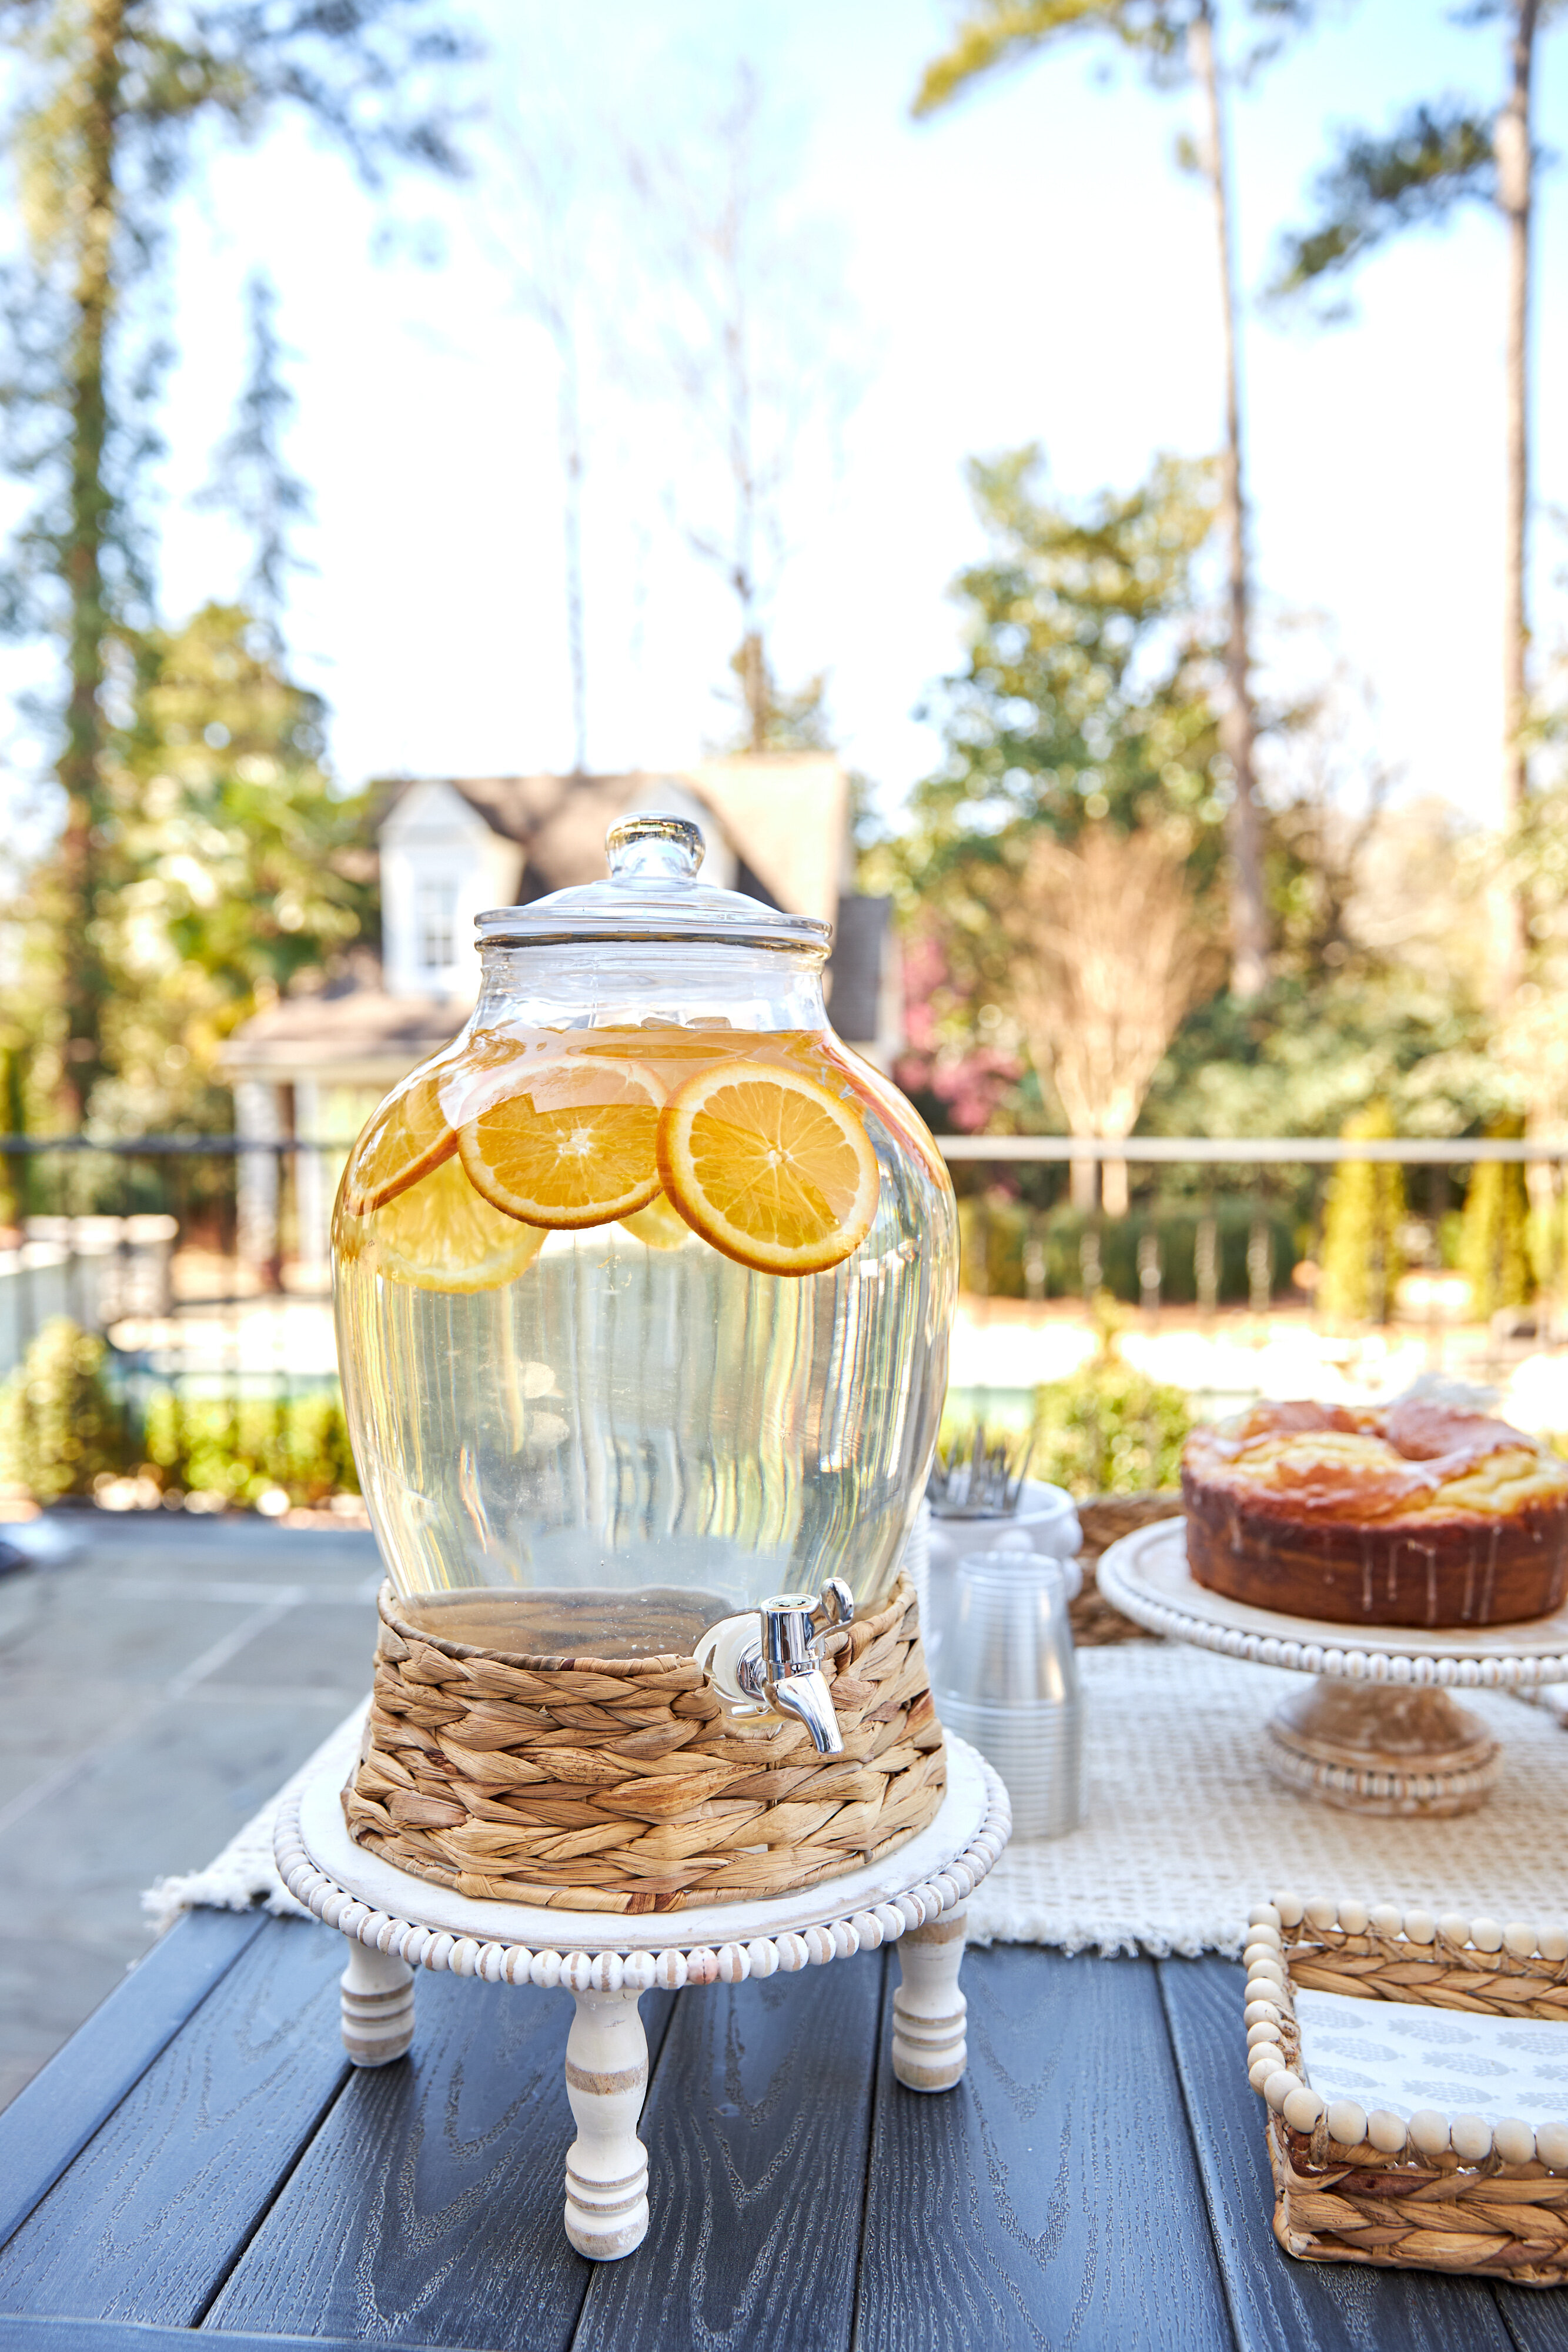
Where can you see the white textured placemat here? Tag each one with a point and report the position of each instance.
(1184, 1829)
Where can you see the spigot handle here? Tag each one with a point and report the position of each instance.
(837, 1604)
(793, 1625)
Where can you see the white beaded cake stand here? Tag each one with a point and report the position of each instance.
(395, 1922)
(1377, 1732)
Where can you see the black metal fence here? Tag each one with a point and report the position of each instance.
(197, 1270)
(165, 1321)
(1241, 1220)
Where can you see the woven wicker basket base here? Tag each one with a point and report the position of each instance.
(1511, 2224)
(1104, 1519)
(1336, 2203)
(623, 1785)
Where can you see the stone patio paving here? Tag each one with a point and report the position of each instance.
(154, 1690)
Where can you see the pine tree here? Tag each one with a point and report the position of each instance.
(251, 479)
(113, 95)
(1438, 156)
(993, 36)
(240, 867)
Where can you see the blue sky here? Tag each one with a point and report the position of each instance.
(1029, 266)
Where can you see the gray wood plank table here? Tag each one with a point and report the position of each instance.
(201, 2156)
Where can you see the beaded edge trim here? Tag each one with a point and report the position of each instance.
(636, 1970)
(1340, 1665)
(1270, 2013)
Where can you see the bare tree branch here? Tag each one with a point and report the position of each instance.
(1108, 958)
(745, 326)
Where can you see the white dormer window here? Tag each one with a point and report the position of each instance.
(435, 919)
(441, 863)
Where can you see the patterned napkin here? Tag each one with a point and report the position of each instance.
(1384, 2054)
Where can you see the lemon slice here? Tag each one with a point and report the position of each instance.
(403, 1141)
(575, 1146)
(439, 1234)
(770, 1166)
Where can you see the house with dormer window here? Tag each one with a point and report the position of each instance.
(313, 1066)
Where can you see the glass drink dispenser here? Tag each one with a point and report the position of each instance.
(644, 1285)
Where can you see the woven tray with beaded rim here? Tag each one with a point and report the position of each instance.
(1440, 2192)
(625, 1785)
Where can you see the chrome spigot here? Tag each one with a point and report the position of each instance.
(790, 1669)
(771, 1659)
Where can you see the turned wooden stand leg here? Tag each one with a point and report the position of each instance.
(378, 2006)
(929, 2052)
(607, 2165)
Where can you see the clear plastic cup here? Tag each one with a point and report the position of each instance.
(1005, 1679)
(1045, 1521)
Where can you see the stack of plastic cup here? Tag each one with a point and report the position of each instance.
(1044, 1521)
(1005, 1679)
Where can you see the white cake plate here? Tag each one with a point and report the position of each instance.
(1377, 1732)
(395, 1923)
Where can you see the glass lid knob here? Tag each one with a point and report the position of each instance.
(653, 846)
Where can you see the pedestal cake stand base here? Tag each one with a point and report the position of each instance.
(1376, 1731)
(395, 1923)
(1376, 1748)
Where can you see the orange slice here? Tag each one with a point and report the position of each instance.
(575, 1148)
(440, 1235)
(489, 1067)
(898, 1112)
(403, 1141)
(660, 1225)
(769, 1166)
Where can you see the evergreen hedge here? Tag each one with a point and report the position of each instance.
(61, 1424)
(1363, 1210)
(1494, 1232)
(240, 1450)
(64, 1425)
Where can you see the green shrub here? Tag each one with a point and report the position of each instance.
(61, 1425)
(1494, 1233)
(1364, 1209)
(1109, 1430)
(240, 1450)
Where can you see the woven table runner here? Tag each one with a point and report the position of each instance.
(1185, 1831)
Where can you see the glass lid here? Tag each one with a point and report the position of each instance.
(652, 893)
